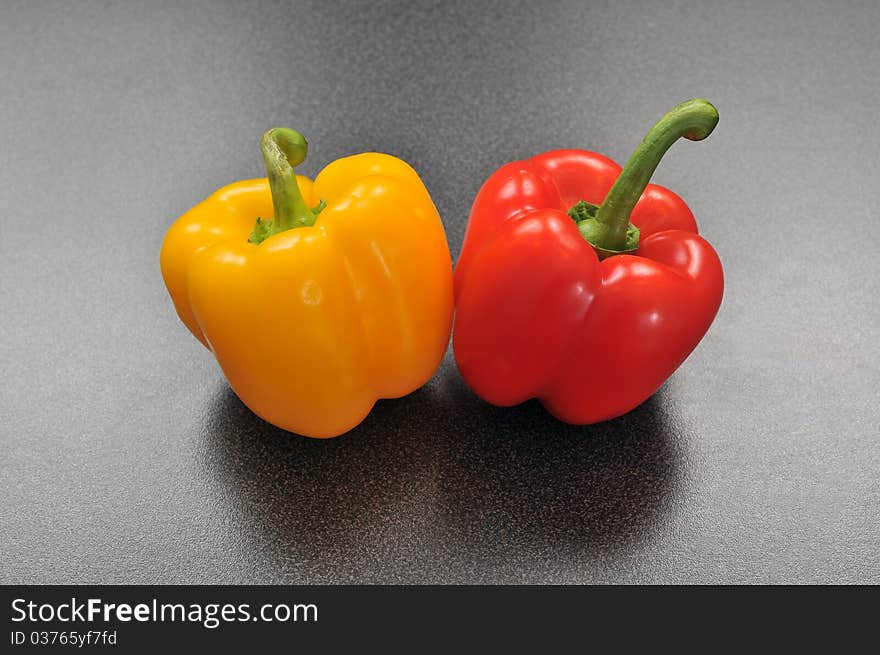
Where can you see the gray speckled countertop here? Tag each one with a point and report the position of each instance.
(125, 457)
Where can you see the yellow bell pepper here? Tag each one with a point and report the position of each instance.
(343, 297)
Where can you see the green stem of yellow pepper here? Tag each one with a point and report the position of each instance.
(283, 149)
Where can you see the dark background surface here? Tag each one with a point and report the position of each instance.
(124, 457)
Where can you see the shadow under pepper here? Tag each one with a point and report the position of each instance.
(439, 486)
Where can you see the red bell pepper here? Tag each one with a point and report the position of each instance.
(581, 284)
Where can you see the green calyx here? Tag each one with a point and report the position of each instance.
(607, 227)
(584, 214)
(283, 149)
(266, 227)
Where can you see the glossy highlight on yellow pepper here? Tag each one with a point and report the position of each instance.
(314, 318)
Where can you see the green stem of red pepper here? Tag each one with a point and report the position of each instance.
(607, 227)
(283, 149)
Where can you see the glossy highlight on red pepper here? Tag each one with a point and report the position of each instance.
(581, 284)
